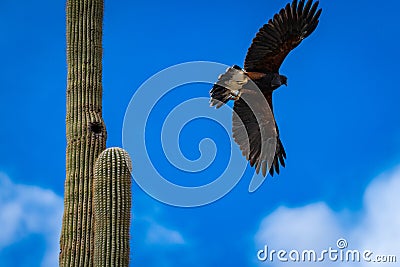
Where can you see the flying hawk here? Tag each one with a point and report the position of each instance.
(269, 48)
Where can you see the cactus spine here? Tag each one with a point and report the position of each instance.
(112, 208)
(85, 131)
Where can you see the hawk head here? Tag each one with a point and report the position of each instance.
(278, 80)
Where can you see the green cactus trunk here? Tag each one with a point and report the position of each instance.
(86, 133)
(112, 208)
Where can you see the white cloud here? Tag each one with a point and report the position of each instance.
(304, 227)
(318, 227)
(25, 210)
(381, 226)
(154, 227)
(158, 234)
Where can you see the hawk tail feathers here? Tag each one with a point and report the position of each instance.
(228, 86)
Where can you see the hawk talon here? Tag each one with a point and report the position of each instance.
(235, 95)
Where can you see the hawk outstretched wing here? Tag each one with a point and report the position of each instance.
(254, 130)
(280, 35)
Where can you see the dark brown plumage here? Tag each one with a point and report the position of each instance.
(269, 48)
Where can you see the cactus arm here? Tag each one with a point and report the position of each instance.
(112, 208)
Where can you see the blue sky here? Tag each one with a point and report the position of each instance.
(338, 119)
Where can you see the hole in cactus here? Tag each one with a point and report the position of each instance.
(95, 127)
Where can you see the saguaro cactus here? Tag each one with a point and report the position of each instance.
(85, 131)
(112, 207)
